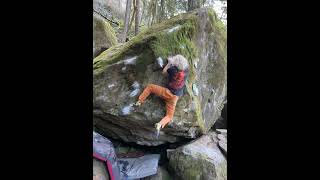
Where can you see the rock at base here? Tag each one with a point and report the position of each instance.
(199, 160)
(162, 174)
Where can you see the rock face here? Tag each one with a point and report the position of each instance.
(222, 136)
(103, 35)
(99, 170)
(199, 160)
(111, 9)
(123, 71)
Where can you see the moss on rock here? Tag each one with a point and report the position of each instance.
(159, 38)
(103, 34)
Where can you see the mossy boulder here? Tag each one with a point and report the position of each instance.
(124, 70)
(103, 35)
(201, 159)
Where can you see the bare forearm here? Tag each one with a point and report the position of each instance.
(164, 71)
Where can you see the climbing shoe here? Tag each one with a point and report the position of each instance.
(137, 104)
(158, 126)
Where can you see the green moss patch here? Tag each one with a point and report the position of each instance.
(162, 42)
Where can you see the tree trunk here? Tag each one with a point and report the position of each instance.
(126, 21)
(137, 22)
(133, 15)
(154, 12)
(162, 10)
(193, 4)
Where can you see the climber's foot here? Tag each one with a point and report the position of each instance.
(137, 104)
(158, 126)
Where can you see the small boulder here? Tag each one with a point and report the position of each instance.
(199, 160)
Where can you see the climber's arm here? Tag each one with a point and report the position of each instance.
(165, 69)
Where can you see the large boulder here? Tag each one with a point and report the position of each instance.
(121, 73)
(199, 160)
(103, 35)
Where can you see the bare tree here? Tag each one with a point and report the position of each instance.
(133, 15)
(162, 10)
(126, 21)
(137, 18)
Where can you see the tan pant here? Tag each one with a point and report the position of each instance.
(164, 93)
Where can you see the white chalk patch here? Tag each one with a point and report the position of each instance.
(135, 85)
(130, 60)
(127, 109)
(160, 61)
(174, 29)
(195, 90)
(134, 92)
(111, 85)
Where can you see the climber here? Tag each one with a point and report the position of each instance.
(177, 70)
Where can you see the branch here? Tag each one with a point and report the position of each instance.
(116, 23)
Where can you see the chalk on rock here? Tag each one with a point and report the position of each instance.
(111, 85)
(160, 62)
(135, 85)
(221, 137)
(134, 92)
(221, 130)
(127, 109)
(130, 61)
(195, 89)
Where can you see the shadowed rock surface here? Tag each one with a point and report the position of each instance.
(201, 159)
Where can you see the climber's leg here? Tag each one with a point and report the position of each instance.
(151, 88)
(170, 108)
